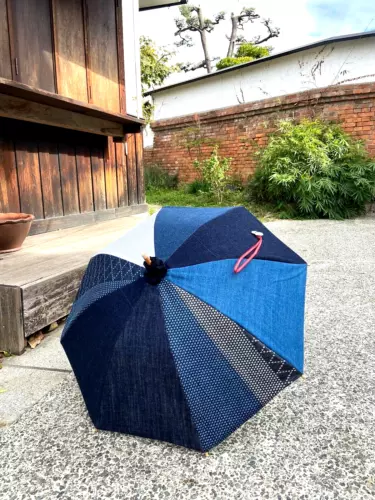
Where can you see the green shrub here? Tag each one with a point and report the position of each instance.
(214, 172)
(248, 49)
(246, 52)
(235, 182)
(197, 186)
(157, 178)
(314, 169)
(228, 62)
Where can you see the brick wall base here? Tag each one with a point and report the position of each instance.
(241, 130)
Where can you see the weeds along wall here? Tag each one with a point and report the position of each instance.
(241, 130)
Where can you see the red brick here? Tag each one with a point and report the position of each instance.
(239, 129)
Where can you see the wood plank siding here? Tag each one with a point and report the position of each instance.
(68, 148)
(52, 173)
(101, 36)
(70, 50)
(32, 43)
(73, 48)
(62, 64)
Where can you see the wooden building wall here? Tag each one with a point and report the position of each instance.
(69, 47)
(66, 177)
(64, 49)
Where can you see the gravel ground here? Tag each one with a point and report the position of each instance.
(313, 441)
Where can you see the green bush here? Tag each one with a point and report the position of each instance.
(197, 186)
(235, 182)
(246, 52)
(214, 172)
(314, 169)
(248, 49)
(228, 62)
(157, 178)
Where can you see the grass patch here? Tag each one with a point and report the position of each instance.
(181, 197)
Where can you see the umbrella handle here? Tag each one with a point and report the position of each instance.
(249, 255)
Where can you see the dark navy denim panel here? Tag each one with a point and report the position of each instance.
(228, 237)
(104, 268)
(142, 393)
(173, 225)
(89, 339)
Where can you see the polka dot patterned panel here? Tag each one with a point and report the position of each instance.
(261, 369)
(219, 399)
(105, 268)
(142, 392)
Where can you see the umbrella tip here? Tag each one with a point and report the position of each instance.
(147, 259)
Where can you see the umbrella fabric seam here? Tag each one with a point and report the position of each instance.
(199, 227)
(234, 259)
(84, 310)
(242, 326)
(239, 209)
(177, 372)
(221, 355)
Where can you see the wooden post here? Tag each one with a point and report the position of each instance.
(12, 338)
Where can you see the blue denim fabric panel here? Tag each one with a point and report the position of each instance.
(267, 298)
(105, 268)
(219, 399)
(261, 369)
(228, 237)
(89, 339)
(174, 225)
(142, 393)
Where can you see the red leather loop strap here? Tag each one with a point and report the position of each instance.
(248, 256)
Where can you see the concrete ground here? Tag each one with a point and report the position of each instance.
(315, 440)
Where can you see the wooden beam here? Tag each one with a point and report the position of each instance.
(22, 109)
(50, 299)
(12, 338)
(16, 89)
(66, 221)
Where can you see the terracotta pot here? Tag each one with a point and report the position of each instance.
(13, 230)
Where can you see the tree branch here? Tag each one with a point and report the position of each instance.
(246, 15)
(194, 66)
(209, 24)
(272, 33)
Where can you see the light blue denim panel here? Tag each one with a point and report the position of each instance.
(267, 298)
(219, 400)
(174, 225)
(262, 370)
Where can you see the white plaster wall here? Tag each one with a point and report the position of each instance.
(322, 66)
(130, 19)
(148, 137)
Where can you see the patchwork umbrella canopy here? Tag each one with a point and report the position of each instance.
(187, 346)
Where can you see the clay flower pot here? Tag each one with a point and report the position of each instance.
(13, 230)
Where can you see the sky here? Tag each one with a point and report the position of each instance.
(300, 21)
